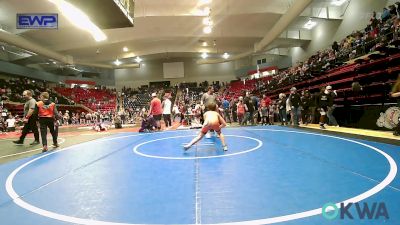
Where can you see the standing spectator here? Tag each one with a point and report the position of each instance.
(263, 110)
(233, 110)
(282, 108)
(295, 103)
(66, 118)
(167, 105)
(313, 106)
(385, 14)
(88, 118)
(156, 109)
(47, 113)
(249, 106)
(208, 97)
(256, 102)
(323, 101)
(271, 113)
(331, 107)
(30, 119)
(197, 112)
(82, 118)
(175, 112)
(306, 102)
(225, 107)
(122, 114)
(240, 110)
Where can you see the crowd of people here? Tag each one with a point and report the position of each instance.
(252, 109)
(380, 34)
(185, 101)
(11, 89)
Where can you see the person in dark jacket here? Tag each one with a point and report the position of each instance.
(324, 100)
(250, 108)
(306, 102)
(295, 103)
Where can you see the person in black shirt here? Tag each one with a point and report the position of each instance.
(306, 102)
(295, 102)
(249, 107)
(323, 101)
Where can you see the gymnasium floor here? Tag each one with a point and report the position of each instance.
(270, 174)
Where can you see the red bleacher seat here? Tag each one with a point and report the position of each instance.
(94, 99)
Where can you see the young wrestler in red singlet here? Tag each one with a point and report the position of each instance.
(212, 121)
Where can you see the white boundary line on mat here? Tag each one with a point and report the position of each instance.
(313, 212)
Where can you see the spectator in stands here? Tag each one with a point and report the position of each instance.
(30, 119)
(47, 113)
(335, 46)
(397, 4)
(396, 94)
(66, 117)
(392, 11)
(117, 122)
(167, 107)
(156, 109)
(82, 118)
(121, 114)
(10, 122)
(331, 107)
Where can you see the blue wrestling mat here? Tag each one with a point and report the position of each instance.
(270, 175)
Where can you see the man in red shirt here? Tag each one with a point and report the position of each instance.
(156, 109)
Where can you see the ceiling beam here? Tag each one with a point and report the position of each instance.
(286, 19)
